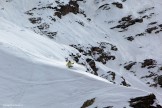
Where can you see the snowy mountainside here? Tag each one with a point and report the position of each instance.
(28, 74)
(114, 43)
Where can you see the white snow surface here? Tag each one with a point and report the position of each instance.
(33, 72)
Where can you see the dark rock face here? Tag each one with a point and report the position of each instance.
(104, 7)
(129, 66)
(152, 23)
(108, 107)
(111, 76)
(97, 49)
(145, 10)
(51, 35)
(35, 20)
(124, 83)
(117, 4)
(141, 34)
(88, 103)
(160, 80)
(75, 57)
(103, 56)
(92, 64)
(149, 30)
(152, 69)
(125, 22)
(72, 7)
(100, 53)
(144, 102)
(43, 26)
(130, 38)
(149, 63)
(156, 28)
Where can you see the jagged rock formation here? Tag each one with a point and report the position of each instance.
(144, 102)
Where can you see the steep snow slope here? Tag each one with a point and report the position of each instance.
(116, 40)
(32, 77)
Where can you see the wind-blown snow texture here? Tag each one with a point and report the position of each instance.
(115, 44)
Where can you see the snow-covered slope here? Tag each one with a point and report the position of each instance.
(115, 46)
(32, 75)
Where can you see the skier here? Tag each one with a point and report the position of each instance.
(69, 64)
